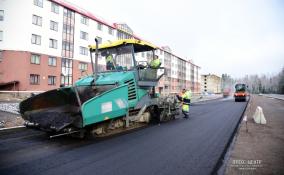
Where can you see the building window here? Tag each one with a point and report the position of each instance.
(52, 61)
(83, 66)
(1, 35)
(68, 29)
(67, 46)
(55, 8)
(53, 43)
(68, 33)
(66, 71)
(38, 3)
(110, 30)
(54, 25)
(84, 20)
(83, 50)
(1, 15)
(34, 79)
(68, 13)
(51, 80)
(35, 59)
(37, 20)
(100, 26)
(84, 35)
(100, 40)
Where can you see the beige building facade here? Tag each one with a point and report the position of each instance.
(210, 83)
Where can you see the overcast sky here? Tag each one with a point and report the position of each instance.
(237, 37)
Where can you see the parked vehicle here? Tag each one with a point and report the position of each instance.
(226, 92)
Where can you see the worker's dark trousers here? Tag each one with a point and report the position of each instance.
(185, 113)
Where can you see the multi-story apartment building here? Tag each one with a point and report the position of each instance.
(210, 83)
(179, 73)
(44, 44)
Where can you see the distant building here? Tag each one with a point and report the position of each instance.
(44, 44)
(210, 83)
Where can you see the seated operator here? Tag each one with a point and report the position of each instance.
(109, 62)
(155, 63)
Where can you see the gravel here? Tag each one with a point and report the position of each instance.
(10, 107)
(259, 148)
(9, 115)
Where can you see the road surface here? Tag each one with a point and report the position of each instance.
(181, 146)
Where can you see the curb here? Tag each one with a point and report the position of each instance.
(12, 129)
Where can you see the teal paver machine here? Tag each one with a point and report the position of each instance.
(118, 95)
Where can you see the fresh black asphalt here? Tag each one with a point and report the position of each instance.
(181, 146)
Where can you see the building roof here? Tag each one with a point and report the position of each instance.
(82, 12)
(161, 48)
(211, 75)
(114, 26)
(4, 85)
(88, 14)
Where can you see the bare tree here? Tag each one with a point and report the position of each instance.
(264, 83)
